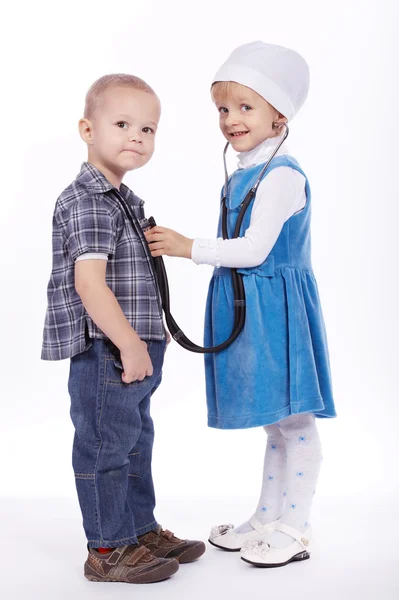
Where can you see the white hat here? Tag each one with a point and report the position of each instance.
(278, 74)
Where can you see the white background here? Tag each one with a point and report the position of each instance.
(345, 138)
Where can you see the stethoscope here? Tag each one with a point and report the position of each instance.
(237, 278)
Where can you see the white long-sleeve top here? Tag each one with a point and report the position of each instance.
(280, 195)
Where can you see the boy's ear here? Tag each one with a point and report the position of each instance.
(86, 130)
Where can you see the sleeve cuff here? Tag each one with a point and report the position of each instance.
(92, 256)
(206, 251)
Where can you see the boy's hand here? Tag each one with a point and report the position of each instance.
(105, 310)
(169, 242)
(136, 362)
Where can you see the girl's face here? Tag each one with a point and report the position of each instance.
(245, 118)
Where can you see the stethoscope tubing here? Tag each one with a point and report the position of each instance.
(237, 279)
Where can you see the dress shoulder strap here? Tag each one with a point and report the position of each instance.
(285, 161)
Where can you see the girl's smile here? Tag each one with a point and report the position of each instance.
(238, 134)
(245, 118)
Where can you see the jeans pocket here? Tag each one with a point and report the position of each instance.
(114, 366)
(118, 363)
(113, 354)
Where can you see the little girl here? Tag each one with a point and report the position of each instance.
(276, 374)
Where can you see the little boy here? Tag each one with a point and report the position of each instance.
(104, 314)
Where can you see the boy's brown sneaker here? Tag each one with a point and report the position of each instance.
(128, 564)
(164, 544)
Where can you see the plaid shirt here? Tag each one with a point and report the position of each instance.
(88, 217)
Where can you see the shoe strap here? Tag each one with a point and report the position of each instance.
(136, 555)
(259, 527)
(301, 538)
(167, 534)
(115, 556)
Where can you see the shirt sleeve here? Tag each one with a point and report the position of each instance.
(91, 227)
(280, 195)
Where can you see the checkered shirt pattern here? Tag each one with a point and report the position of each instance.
(89, 217)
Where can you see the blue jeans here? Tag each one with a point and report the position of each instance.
(113, 441)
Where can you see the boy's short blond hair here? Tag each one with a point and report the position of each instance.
(95, 91)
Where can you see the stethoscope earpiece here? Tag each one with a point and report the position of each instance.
(278, 125)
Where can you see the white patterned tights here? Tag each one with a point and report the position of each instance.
(290, 474)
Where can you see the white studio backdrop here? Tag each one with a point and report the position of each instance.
(345, 137)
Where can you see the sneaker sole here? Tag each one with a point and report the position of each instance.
(162, 573)
(297, 558)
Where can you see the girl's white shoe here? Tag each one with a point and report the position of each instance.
(223, 536)
(261, 554)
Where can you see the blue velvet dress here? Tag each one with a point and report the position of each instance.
(279, 364)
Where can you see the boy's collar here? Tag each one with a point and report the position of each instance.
(96, 181)
(93, 179)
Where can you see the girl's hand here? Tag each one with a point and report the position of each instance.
(166, 241)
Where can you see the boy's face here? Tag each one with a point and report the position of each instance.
(123, 126)
(245, 118)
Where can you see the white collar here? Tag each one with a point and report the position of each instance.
(260, 153)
